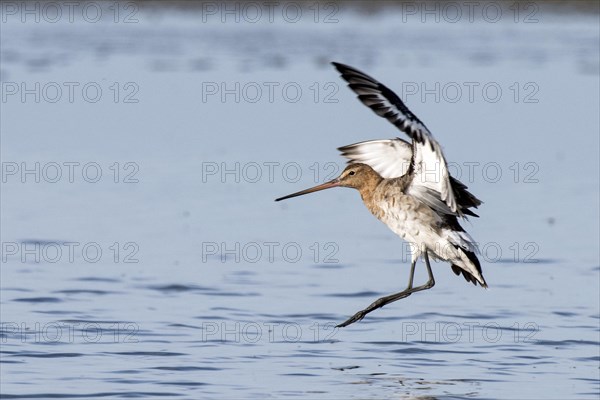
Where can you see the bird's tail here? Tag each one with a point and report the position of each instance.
(472, 272)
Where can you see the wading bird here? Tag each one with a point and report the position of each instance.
(407, 186)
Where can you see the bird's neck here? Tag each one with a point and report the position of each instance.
(369, 187)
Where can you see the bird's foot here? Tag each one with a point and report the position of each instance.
(355, 318)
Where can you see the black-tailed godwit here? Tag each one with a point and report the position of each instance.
(407, 186)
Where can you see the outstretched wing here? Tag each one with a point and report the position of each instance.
(390, 158)
(430, 178)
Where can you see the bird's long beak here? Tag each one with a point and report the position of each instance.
(323, 186)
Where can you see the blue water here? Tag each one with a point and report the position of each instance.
(143, 255)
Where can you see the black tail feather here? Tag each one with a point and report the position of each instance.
(467, 275)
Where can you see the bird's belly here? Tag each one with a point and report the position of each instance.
(408, 218)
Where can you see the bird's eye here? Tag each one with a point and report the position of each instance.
(351, 173)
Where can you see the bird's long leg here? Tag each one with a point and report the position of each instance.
(396, 296)
(431, 280)
(383, 300)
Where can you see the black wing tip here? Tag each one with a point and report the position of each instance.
(346, 148)
(468, 212)
(349, 147)
(464, 198)
(348, 72)
(340, 66)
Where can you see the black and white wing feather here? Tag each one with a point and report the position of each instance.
(391, 158)
(430, 178)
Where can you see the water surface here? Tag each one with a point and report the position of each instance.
(146, 257)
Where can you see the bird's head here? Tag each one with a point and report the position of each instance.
(356, 176)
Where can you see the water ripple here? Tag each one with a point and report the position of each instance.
(38, 300)
(131, 395)
(146, 353)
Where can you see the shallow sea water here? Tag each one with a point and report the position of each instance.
(143, 255)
